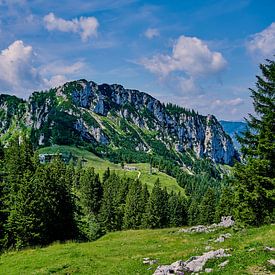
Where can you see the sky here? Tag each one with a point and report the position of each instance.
(200, 54)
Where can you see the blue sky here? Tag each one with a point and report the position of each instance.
(198, 54)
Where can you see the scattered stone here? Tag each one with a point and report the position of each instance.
(223, 264)
(271, 262)
(194, 264)
(222, 237)
(269, 249)
(251, 249)
(208, 247)
(149, 261)
(225, 222)
(208, 270)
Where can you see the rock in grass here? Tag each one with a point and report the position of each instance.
(225, 222)
(269, 249)
(194, 264)
(223, 264)
(222, 237)
(208, 270)
(271, 262)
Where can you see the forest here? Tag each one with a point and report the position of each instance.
(43, 203)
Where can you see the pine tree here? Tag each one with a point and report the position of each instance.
(193, 212)
(254, 180)
(90, 191)
(225, 206)
(207, 207)
(155, 208)
(176, 210)
(134, 207)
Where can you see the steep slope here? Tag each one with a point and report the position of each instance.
(114, 120)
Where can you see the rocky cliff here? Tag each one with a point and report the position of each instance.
(110, 116)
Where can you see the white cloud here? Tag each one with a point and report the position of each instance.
(59, 68)
(86, 27)
(20, 75)
(56, 81)
(151, 33)
(191, 59)
(17, 69)
(229, 102)
(189, 55)
(263, 43)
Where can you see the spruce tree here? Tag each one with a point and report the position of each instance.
(207, 207)
(193, 212)
(155, 208)
(254, 180)
(134, 207)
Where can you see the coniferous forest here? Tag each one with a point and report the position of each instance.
(43, 203)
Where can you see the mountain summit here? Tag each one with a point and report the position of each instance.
(115, 120)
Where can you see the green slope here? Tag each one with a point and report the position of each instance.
(122, 253)
(101, 165)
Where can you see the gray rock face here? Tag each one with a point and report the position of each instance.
(204, 135)
(225, 222)
(194, 264)
(178, 131)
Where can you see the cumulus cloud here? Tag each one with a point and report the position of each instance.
(191, 58)
(151, 33)
(17, 69)
(189, 55)
(56, 80)
(86, 27)
(263, 43)
(20, 73)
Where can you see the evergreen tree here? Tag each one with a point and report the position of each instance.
(106, 175)
(226, 204)
(155, 208)
(90, 191)
(207, 207)
(134, 207)
(176, 210)
(254, 181)
(193, 212)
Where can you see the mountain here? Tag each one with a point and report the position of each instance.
(232, 128)
(116, 122)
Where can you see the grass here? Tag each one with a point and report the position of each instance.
(122, 253)
(101, 165)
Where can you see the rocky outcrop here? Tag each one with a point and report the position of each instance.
(204, 135)
(194, 264)
(224, 223)
(81, 102)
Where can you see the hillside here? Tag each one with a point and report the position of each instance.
(100, 165)
(122, 253)
(122, 124)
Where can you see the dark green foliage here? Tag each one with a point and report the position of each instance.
(193, 212)
(254, 182)
(225, 206)
(254, 192)
(134, 207)
(177, 213)
(156, 209)
(207, 207)
(90, 191)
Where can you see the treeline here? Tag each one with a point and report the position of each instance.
(43, 203)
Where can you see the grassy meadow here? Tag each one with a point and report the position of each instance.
(101, 165)
(122, 253)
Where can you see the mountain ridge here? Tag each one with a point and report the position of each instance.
(112, 118)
